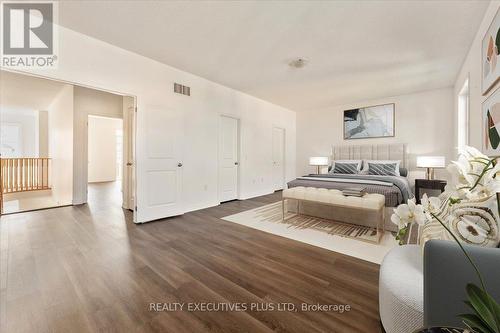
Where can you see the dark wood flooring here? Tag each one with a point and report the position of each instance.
(90, 269)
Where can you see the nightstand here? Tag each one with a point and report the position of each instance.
(432, 184)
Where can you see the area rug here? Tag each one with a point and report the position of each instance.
(327, 234)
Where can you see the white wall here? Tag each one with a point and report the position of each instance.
(98, 103)
(43, 134)
(472, 69)
(61, 145)
(90, 62)
(102, 148)
(423, 121)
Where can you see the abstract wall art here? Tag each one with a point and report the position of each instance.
(369, 122)
(490, 53)
(491, 124)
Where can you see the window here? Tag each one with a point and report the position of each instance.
(463, 116)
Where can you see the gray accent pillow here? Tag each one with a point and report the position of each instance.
(345, 168)
(403, 172)
(382, 169)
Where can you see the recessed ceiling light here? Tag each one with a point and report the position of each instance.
(298, 63)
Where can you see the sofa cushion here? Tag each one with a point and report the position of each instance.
(372, 201)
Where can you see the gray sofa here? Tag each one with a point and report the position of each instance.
(447, 271)
(426, 290)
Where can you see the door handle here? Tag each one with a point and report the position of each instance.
(236, 163)
(129, 164)
(179, 164)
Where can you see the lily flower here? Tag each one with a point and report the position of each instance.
(431, 205)
(407, 213)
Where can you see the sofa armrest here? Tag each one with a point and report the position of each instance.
(446, 273)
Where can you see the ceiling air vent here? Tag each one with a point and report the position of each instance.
(180, 89)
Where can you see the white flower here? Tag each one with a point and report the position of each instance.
(461, 179)
(487, 185)
(431, 205)
(473, 179)
(397, 220)
(408, 213)
(471, 153)
(472, 176)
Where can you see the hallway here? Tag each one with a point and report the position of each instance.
(104, 195)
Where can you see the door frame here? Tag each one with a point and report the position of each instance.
(284, 154)
(238, 144)
(131, 184)
(75, 83)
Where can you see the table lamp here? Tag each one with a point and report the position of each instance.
(318, 161)
(430, 162)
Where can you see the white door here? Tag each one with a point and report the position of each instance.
(228, 159)
(278, 158)
(159, 163)
(128, 173)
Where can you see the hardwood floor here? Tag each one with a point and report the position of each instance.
(89, 268)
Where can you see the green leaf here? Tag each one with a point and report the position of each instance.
(492, 305)
(475, 322)
(494, 308)
(469, 304)
(474, 314)
(479, 301)
(401, 234)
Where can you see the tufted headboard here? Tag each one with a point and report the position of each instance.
(392, 151)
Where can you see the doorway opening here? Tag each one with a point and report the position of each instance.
(105, 160)
(44, 143)
(35, 143)
(104, 163)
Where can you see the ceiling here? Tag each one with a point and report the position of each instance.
(356, 50)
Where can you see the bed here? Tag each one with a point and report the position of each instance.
(396, 189)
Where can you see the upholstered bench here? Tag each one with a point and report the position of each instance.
(367, 210)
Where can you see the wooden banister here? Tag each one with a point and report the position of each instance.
(24, 174)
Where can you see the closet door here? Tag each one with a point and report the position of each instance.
(228, 158)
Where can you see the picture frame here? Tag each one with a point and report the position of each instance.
(377, 121)
(490, 55)
(491, 124)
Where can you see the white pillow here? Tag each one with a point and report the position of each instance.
(365, 165)
(359, 162)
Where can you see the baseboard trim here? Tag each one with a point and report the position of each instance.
(34, 210)
(255, 195)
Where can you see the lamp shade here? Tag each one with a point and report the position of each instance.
(318, 160)
(430, 162)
